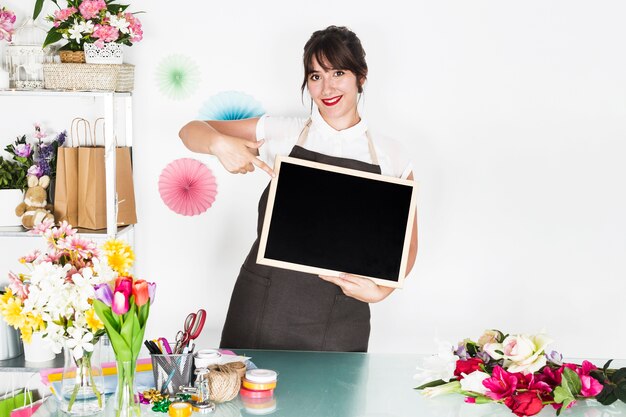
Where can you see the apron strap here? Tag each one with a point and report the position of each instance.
(304, 134)
(370, 144)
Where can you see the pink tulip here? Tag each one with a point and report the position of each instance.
(120, 303)
(121, 295)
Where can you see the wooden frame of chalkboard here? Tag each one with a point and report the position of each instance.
(325, 220)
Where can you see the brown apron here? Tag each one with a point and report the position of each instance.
(274, 308)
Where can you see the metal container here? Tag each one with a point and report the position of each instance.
(10, 343)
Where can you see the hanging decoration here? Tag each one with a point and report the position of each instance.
(230, 105)
(187, 187)
(177, 76)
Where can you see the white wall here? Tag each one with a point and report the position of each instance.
(514, 114)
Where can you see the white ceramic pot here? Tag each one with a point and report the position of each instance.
(38, 350)
(110, 53)
(9, 200)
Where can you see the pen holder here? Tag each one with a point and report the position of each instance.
(171, 371)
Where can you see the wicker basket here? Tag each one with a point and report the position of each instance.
(89, 77)
(75, 57)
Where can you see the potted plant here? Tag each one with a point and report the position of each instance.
(7, 20)
(10, 196)
(35, 157)
(97, 27)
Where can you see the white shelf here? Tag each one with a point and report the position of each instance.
(19, 231)
(110, 101)
(61, 93)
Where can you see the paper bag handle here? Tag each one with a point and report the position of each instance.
(95, 126)
(74, 131)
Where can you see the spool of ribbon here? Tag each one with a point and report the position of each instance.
(257, 386)
(179, 409)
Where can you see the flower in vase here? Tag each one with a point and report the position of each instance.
(105, 33)
(104, 294)
(35, 170)
(141, 292)
(63, 14)
(93, 321)
(91, 8)
(23, 149)
(83, 247)
(119, 255)
(7, 20)
(121, 295)
(119, 22)
(11, 309)
(79, 342)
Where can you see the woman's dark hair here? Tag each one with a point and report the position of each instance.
(338, 47)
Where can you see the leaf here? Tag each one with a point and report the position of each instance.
(37, 10)
(606, 365)
(563, 394)
(53, 36)
(144, 310)
(471, 349)
(128, 327)
(428, 384)
(619, 375)
(620, 391)
(599, 375)
(122, 349)
(607, 395)
(573, 381)
(138, 341)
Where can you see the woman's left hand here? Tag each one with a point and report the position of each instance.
(363, 289)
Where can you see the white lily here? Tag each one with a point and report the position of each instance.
(76, 32)
(120, 23)
(79, 342)
(440, 366)
(474, 382)
(449, 388)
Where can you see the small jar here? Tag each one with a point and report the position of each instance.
(203, 392)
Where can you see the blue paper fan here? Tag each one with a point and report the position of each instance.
(230, 105)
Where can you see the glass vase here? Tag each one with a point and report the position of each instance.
(126, 400)
(82, 390)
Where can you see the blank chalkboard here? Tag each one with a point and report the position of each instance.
(324, 219)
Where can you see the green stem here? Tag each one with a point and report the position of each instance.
(73, 396)
(94, 388)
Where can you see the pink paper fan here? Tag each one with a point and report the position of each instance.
(187, 187)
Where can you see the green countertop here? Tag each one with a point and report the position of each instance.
(329, 384)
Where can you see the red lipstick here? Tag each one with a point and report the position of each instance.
(331, 101)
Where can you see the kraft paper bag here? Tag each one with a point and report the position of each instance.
(92, 187)
(92, 208)
(66, 182)
(126, 210)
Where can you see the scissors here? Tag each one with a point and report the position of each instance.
(193, 326)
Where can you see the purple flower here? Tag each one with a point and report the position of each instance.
(61, 138)
(45, 151)
(461, 351)
(23, 150)
(151, 291)
(484, 356)
(555, 357)
(104, 294)
(35, 170)
(44, 167)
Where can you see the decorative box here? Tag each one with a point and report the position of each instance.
(89, 77)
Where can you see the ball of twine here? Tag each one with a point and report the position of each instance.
(224, 382)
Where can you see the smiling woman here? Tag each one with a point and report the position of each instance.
(274, 308)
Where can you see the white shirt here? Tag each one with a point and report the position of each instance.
(281, 134)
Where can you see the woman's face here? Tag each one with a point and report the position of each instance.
(334, 91)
